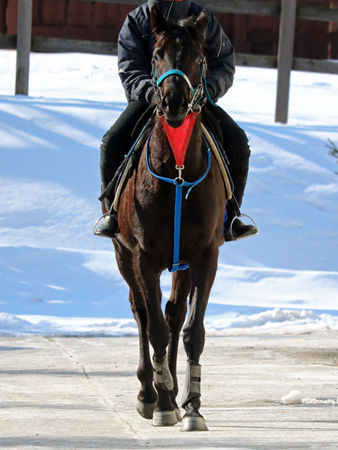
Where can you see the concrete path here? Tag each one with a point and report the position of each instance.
(79, 393)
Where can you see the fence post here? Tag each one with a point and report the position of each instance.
(333, 33)
(285, 58)
(23, 46)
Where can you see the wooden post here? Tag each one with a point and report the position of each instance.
(333, 33)
(285, 58)
(23, 46)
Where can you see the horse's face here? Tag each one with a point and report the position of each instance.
(178, 47)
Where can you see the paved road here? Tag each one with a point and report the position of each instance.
(79, 393)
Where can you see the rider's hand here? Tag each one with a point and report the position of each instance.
(153, 97)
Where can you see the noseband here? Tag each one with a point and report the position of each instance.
(175, 72)
(196, 93)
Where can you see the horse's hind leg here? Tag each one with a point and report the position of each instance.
(147, 396)
(175, 312)
(203, 276)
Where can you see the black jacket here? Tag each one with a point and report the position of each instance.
(135, 46)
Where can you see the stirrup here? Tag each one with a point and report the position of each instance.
(98, 221)
(110, 231)
(245, 235)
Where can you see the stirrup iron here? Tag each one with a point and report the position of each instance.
(99, 220)
(238, 217)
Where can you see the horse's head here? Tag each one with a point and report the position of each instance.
(179, 64)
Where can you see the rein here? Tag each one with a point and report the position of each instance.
(179, 184)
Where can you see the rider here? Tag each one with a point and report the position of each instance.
(135, 46)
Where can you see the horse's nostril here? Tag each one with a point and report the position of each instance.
(174, 104)
(165, 105)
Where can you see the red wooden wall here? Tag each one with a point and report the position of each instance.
(71, 19)
(259, 34)
(102, 22)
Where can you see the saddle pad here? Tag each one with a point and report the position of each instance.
(119, 188)
(219, 159)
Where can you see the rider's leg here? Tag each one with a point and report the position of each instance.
(236, 145)
(115, 145)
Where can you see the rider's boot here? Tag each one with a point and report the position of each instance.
(234, 228)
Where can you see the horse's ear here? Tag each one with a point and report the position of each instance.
(202, 22)
(157, 21)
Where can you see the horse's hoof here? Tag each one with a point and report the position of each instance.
(164, 418)
(145, 410)
(192, 423)
(178, 415)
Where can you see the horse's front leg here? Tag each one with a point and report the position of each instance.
(175, 312)
(146, 399)
(203, 275)
(158, 332)
(147, 396)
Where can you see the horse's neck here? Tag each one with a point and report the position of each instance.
(162, 158)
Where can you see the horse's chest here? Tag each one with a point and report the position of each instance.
(156, 215)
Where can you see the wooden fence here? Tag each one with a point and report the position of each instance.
(287, 10)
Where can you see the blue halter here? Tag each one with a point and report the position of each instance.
(179, 184)
(195, 92)
(175, 72)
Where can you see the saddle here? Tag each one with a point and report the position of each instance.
(212, 133)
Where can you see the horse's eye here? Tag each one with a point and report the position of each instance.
(158, 56)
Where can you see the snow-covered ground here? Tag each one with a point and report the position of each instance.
(55, 277)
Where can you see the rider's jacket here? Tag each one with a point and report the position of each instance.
(135, 46)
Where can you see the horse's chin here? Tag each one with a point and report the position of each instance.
(175, 123)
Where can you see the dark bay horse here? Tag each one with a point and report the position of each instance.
(144, 246)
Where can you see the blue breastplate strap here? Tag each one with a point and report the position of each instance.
(179, 184)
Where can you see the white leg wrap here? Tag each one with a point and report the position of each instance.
(162, 373)
(192, 387)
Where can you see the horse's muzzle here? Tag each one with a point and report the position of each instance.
(175, 109)
(174, 123)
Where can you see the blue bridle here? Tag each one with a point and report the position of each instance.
(196, 92)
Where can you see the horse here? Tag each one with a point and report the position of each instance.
(144, 244)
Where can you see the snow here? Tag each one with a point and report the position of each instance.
(292, 397)
(56, 278)
(295, 397)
